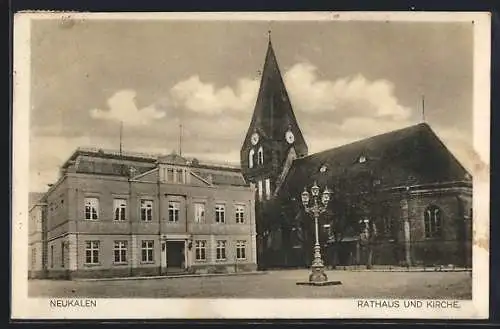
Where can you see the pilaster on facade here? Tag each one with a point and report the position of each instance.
(134, 251)
(72, 252)
(406, 230)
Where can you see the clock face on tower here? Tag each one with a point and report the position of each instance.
(255, 138)
(290, 138)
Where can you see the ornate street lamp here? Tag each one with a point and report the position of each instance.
(315, 207)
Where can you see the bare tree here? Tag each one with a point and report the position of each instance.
(370, 205)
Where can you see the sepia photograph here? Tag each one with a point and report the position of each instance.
(199, 160)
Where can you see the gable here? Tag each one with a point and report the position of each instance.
(148, 176)
(197, 180)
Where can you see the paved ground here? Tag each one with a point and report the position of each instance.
(274, 284)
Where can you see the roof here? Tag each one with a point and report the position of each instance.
(141, 161)
(410, 156)
(109, 162)
(222, 178)
(103, 166)
(111, 154)
(273, 113)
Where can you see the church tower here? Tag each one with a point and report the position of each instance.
(273, 139)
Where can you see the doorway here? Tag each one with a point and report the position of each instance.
(175, 255)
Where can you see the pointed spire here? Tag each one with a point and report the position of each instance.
(273, 114)
(423, 108)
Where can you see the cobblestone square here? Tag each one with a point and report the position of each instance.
(273, 284)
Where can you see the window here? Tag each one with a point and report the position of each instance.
(180, 176)
(220, 211)
(260, 156)
(91, 252)
(268, 188)
(91, 208)
(260, 190)
(170, 175)
(221, 250)
(241, 249)
(240, 214)
(251, 154)
(120, 206)
(52, 256)
(146, 210)
(200, 247)
(199, 212)
(63, 256)
(147, 248)
(432, 221)
(173, 211)
(120, 251)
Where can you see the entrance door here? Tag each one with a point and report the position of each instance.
(175, 255)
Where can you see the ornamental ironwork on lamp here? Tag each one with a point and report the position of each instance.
(316, 206)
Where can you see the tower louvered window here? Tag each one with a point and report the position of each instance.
(260, 156)
(251, 154)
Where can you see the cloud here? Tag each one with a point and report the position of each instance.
(122, 107)
(201, 97)
(330, 113)
(353, 93)
(345, 109)
(45, 161)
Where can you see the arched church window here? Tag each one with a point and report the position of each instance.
(260, 156)
(432, 221)
(250, 158)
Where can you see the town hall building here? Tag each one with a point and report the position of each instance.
(130, 214)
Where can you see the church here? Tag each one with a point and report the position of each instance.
(399, 198)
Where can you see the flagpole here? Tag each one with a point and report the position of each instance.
(121, 147)
(180, 139)
(121, 136)
(423, 108)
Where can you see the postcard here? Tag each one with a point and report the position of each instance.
(251, 165)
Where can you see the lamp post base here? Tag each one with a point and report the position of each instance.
(319, 284)
(318, 277)
(318, 274)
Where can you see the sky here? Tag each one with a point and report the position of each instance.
(347, 80)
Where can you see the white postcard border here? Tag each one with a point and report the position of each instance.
(23, 307)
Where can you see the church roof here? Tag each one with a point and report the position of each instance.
(406, 157)
(273, 112)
